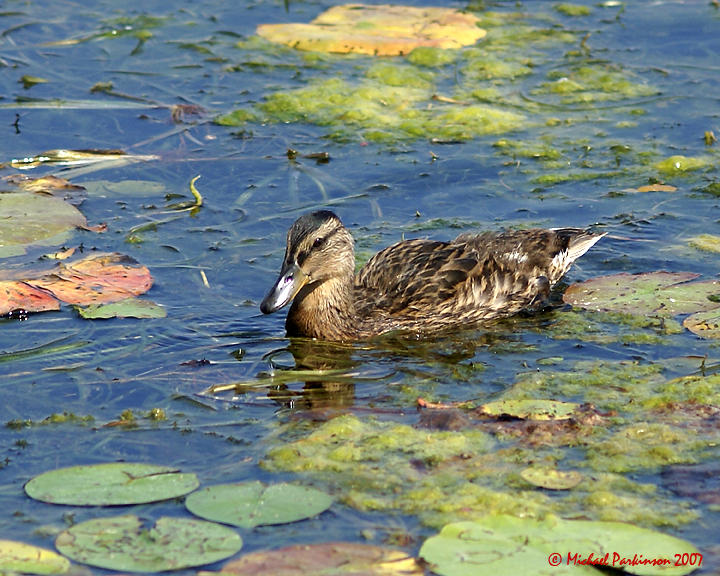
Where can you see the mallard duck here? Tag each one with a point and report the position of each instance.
(416, 285)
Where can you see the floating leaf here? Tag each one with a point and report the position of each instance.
(18, 557)
(660, 293)
(110, 484)
(47, 183)
(128, 308)
(379, 30)
(704, 324)
(501, 545)
(550, 478)
(34, 219)
(124, 543)
(326, 558)
(530, 409)
(29, 81)
(96, 279)
(707, 242)
(251, 504)
(657, 188)
(22, 296)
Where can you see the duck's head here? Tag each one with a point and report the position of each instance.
(319, 248)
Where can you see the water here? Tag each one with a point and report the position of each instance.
(382, 191)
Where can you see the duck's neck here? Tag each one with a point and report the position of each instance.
(325, 311)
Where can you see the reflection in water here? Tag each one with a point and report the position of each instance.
(325, 367)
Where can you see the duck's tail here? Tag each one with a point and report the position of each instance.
(576, 242)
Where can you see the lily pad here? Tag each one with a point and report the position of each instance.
(550, 478)
(128, 308)
(530, 409)
(34, 219)
(384, 30)
(125, 543)
(508, 545)
(251, 504)
(658, 293)
(23, 296)
(110, 484)
(327, 558)
(18, 557)
(96, 279)
(704, 324)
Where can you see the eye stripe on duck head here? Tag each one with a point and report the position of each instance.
(311, 231)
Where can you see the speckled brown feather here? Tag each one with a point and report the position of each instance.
(424, 285)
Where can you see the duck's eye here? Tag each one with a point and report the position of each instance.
(319, 241)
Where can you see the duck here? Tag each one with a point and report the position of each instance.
(418, 285)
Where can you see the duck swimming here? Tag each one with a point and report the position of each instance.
(416, 285)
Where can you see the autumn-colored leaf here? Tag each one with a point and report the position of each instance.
(22, 296)
(386, 30)
(98, 278)
(47, 183)
(657, 188)
(326, 558)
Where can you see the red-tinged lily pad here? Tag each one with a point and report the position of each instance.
(128, 544)
(29, 218)
(653, 293)
(385, 30)
(22, 296)
(96, 279)
(328, 558)
(21, 558)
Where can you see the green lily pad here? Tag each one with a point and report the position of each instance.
(251, 504)
(550, 478)
(110, 484)
(653, 293)
(125, 543)
(508, 545)
(530, 409)
(327, 558)
(34, 219)
(18, 557)
(128, 308)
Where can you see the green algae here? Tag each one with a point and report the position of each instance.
(592, 84)
(400, 75)
(573, 9)
(444, 476)
(429, 57)
(645, 446)
(678, 164)
(394, 100)
(705, 242)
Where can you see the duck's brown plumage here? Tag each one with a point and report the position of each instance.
(418, 285)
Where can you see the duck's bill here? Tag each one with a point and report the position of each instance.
(291, 280)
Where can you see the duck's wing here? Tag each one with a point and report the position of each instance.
(415, 274)
(472, 277)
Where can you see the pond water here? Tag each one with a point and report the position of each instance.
(603, 97)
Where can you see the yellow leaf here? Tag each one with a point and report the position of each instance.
(383, 30)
